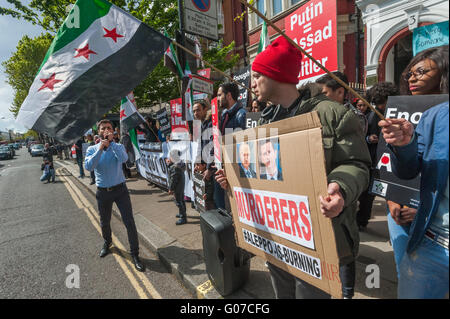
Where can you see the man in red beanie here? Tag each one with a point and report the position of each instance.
(275, 75)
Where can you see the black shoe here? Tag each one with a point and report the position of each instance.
(179, 216)
(105, 250)
(181, 221)
(362, 228)
(92, 183)
(138, 263)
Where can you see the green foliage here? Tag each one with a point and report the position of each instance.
(31, 133)
(23, 66)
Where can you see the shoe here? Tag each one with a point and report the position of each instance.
(105, 250)
(178, 216)
(181, 221)
(92, 183)
(138, 263)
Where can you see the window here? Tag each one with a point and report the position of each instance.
(294, 2)
(276, 7)
(261, 8)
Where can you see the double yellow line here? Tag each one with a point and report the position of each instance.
(145, 289)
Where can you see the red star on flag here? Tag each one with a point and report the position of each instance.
(84, 52)
(49, 83)
(112, 34)
(122, 114)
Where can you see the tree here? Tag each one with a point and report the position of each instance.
(22, 67)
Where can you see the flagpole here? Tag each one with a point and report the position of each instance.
(212, 66)
(342, 83)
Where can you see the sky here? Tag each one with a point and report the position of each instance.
(11, 31)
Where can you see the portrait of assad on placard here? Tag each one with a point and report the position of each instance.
(269, 159)
(246, 156)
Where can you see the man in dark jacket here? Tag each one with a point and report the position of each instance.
(233, 117)
(347, 161)
(176, 184)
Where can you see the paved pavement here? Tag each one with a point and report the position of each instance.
(180, 248)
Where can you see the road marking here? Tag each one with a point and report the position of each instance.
(82, 202)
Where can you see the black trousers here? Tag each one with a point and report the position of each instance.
(365, 208)
(121, 197)
(181, 204)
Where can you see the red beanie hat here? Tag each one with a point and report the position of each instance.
(280, 61)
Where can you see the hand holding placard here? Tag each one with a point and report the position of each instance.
(397, 132)
(333, 204)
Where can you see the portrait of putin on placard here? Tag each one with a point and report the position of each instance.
(246, 159)
(269, 159)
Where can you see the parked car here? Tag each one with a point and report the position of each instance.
(13, 150)
(30, 144)
(37, 150)
(17, 146)
(5, 152)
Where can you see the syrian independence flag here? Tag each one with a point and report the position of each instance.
(264, 39)
(129, 116)
(129, 119)
(171, 60)
(188, 94)
(134, 141)
(99, 55)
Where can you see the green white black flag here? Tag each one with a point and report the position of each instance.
(91, 64)
(264, 39)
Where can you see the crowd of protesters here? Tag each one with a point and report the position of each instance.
(419, 237)
(350, 132)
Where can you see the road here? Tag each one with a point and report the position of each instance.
(50, 240)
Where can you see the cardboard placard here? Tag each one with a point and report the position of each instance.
(277, 213)
(384, 183)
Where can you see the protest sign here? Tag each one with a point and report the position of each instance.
(243, 76)
(164, 122)
(252, 119)
(199, 191)
(277, 213)
(180, 129)
(384, 182)
(313, 27)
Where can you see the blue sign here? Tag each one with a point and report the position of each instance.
(430, 36)
(202, 5)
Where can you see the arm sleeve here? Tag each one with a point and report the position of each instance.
(92, 158)
(119, 152)
(407, 160)
(350, 159)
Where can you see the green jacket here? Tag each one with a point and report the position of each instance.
(346, 155)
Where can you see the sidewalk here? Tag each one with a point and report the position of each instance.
(180, 248)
